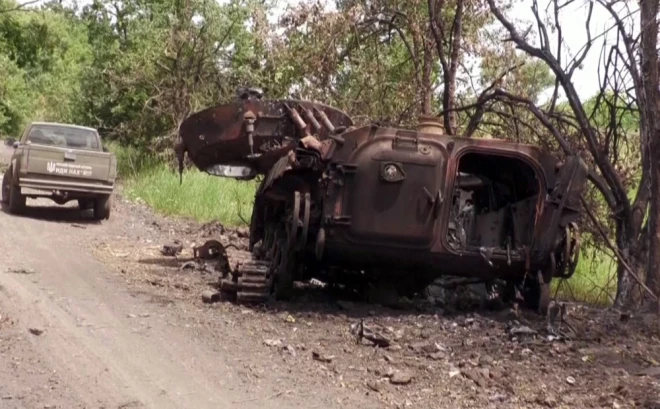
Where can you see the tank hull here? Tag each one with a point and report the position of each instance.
(389, 203)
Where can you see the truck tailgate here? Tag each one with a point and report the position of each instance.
(83, 165)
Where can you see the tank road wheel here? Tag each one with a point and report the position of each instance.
(5, 186)
(305, 221)
(269, 240)
(295, 222)
(282, 268)
(16, 199)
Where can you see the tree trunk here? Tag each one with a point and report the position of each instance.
(629, 294)
(649, 59)
(427, 88)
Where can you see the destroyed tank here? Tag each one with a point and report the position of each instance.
(371, 205)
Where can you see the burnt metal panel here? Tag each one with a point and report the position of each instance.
(218, 135)
(561, 205)
(395, 191)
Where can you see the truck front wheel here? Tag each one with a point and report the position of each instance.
(16, 199)
(102, 208)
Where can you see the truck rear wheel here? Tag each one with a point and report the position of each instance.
(5, 187)
(85, 204)
(16, 199)
(102, 208)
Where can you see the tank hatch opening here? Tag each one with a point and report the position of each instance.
(493, 204)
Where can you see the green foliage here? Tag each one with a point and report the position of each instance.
(594, 281)
(201, 196)
(42, 56)
(132, 162)
(14, 97)
(156, 62)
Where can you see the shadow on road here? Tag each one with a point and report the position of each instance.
(54, 213)
(166, 261)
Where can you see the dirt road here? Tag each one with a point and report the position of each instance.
(93, 316)
(73, 336)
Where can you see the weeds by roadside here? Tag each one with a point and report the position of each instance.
(201, 196)
(131, 162)
(594, 281)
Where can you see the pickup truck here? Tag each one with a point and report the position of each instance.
(62, 162)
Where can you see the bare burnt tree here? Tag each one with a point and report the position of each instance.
(650, 89)
(626, 86)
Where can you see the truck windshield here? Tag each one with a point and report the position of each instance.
(63, 136)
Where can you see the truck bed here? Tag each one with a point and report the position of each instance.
(51, 167)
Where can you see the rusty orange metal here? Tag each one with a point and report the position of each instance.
(408, 205)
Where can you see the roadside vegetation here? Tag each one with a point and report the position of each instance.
(196, 195)
(200, 196)
(134, 70)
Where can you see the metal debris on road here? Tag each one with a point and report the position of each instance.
(321, 357)
(360, 331)
(172, 249)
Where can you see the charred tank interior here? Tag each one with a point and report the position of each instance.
(493, 204)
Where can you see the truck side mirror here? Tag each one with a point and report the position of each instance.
(15, 144)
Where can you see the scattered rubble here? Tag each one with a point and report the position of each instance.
(274, 343)
(36, 331)
(361, 331)
(189, 265)
(522, 331)
(210, 296)
(212, 229)
(486, 360)
(401, 378)
(172, 249)
(653, 371)
(322, 357)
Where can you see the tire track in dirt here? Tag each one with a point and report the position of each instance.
(90, 336)
(108, 347)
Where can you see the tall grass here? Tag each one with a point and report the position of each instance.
(594, 281)
(131, 161)
(200, 196)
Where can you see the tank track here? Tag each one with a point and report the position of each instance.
(247, 280)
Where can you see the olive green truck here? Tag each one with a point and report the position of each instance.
(62, 162)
